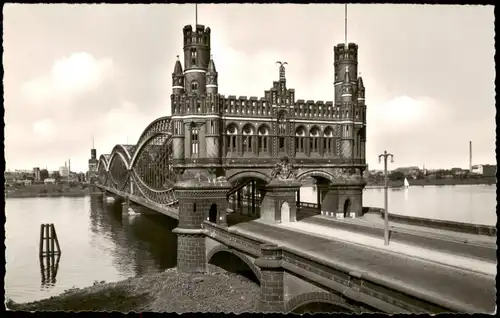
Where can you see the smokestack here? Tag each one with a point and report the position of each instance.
(470, 156)
(69, 165)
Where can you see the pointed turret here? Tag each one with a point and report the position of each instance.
(177, 78)
(211, 65)
(178, 67)
(211, 77)
(361, 91)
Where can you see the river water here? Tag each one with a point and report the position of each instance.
(98, 243)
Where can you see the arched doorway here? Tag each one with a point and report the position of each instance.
(212, 213)
(285, 212)
(347, 208)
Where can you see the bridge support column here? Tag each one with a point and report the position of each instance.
(279, 202)
(272, 279)
(340, 201)
(125, 206)
(104, 196)
(199, 201)
(131, 183)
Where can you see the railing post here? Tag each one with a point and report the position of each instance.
(272, 279)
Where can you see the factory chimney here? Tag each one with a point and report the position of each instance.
(470, 156)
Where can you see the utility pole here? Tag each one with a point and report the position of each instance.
(385, 155)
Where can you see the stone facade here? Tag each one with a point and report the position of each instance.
(271, 283)
(199, 197)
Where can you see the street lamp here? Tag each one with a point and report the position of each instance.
(385, 155)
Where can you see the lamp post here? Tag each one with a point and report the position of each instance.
(385, 155)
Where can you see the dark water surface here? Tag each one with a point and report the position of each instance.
(97, 243)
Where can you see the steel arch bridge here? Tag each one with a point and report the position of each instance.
(144, 169)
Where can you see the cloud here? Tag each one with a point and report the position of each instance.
(69, 77)
(44, 128)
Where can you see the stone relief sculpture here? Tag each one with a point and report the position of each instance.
(347, 174)
(284, 170)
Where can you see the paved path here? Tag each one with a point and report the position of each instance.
(473, 290)
(466, 263)
(377, 220)
(483, 248)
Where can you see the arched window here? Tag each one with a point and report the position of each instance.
(193, 54)
(300, 134)
(328, 141)
(248, 133)
(281, 131)
(231, 133)
(195, 144)
(263, 139)
(314, 140)
(194, 86)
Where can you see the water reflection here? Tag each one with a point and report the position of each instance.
(49, 264)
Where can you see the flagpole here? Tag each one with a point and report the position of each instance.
(345, 24)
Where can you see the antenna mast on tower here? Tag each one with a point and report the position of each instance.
(345, 27)
(195, 15)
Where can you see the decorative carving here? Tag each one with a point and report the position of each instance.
(347, 174)
(284, 170)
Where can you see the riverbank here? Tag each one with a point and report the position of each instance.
(47, 190)
(169, 291)
(432, 182)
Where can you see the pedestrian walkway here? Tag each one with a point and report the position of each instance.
(465, 263)
(377, 220)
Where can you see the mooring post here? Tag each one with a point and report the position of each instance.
(42, 228)
(56, 240)
(47, 236)
(52, 239)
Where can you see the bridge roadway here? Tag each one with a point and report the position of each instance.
(380, 280)
(447, 287)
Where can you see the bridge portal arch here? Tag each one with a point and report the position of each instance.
(234, 261)
(316, 174)
(249, 174)
(316, 302)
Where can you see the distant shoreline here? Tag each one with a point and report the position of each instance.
(45, 195)
(435, 182)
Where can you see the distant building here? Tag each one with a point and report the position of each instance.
(485, 170)
(36, 174)
(64, 171)
(49, 181)
(92, 173)
(44, 174)
(408, 170)
(459, 171)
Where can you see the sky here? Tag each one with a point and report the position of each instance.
(74, 73)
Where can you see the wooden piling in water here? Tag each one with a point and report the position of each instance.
(48, 234)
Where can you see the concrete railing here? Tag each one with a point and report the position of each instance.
(478, 229)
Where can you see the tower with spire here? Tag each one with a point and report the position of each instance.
(92, 173)
(196, 118)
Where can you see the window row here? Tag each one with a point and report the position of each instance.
(261, 144)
